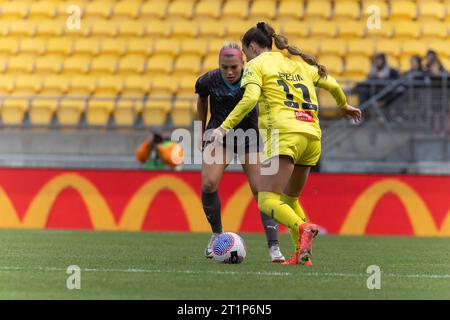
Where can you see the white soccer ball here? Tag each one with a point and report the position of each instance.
(229, 248)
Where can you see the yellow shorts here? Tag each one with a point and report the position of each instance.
(303, 148)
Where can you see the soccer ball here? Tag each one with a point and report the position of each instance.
(229, 248)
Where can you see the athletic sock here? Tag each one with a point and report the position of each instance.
(271, 229)
(211, 206)
(295, 205)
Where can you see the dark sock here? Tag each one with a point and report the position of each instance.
(211, 206)
(271, 229)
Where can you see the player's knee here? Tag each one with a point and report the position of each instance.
(209, 185)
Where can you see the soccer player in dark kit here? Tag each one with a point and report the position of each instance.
(222, 86)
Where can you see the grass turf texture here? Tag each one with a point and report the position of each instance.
(149, 265)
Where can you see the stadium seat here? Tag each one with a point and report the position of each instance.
(27, 85)
(350, 29)
(49, 64)
(295, 29)
(188, 63)
(369, 8)
(186, 86)
(212, 28)
(7, 84)
(333, 46)
(127, 9)
(236, 28)
(158, 28)
(357, 67)
(169, 47)
(155, 9)
(235, 9)
(194, 46)
(346, 10)
(407, 30)
(184, 29)
(405, 63)
(318, 10)
(52, 28)
(115, 47)
(62, 46)
(21, 63)
(431, 10)
(214, 46)
(327, 105)
(42, 10)
(70, 111)
(323, 28)
(132, 64)
(363, 47)
(104, 64)
(109, 86)
(182, 113)
(104, 28)
(441, 46)
(77, 64)
(385, 30)
(54, 85)
(127, 112)
(9, 46)
(32, 46)
(98, 9)
(434, 30)
(3, 63)
(140, 46)
(137, 86)
(99, 111)
(22, 28)
(82, 85)
(86, 46)
(155, 111)
(211, 62)
(391, 48)
(181, 9)
(133, 28)
(42, 111)
(291, 9)
(13, 111)
(404, 10)
(15, 10)
(263, 9)
(208, 9)
(332, 63)
(412, 47)
(163, 86)
(160, 63)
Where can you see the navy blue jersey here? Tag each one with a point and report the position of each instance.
(223, 97)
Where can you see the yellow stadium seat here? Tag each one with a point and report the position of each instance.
(235, 29)
(33, 46)
(333, 46)
(208, 9)
(446, 63)
(318, 9)
(263, 9)
(346, 10)
(42, 111)
(50, 28)
(104, 28)
(99, 111)
(98, 9)
(291, 9)
(14, 110)
(401, 9)
(62, 46)
(212, 28)
(434, 30)
(27, 84)
(296, 29)
(357, 67)
(170, 47)
(70, 111)
(163, 85)
(22, 28)
(49, 64)
(155, 9)
(188, 63)
(155, 111)
(352, 29)
(332, 62)
(412, 47)
(77, 64)
(160, 63)
(235, 9)
(21, 63)
(370, 8)
(211, 62)
(137, 86)
(87, 46)
(186, 85)
(109, 86)
(3, 63)
(182, 113)
(158, 28)
(194, 46)
(214, 46)
(132, 64)
(390, 47)
(181, 9)
(440, 46)
(407, 29)
(362, 47)
(53, 85)
(7, 84)
(82, 85)
(133, 28)
(185, 28)
(128, 9)
(15, 10)
(431, 10)
(116, 47)
(385, 30)
(104, 64)
(127, 112)
(140, 46)
(43, 10)
(405, 63)
(308, 45)
(324, 28)
(9, 46)
(327, 105)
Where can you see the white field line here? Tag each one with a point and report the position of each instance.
(246, 273)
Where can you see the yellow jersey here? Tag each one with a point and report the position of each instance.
(288, 100)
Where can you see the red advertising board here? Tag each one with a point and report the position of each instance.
(171, 201)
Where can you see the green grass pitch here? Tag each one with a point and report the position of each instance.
(151, 265)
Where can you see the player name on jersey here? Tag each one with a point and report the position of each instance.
(290, 76)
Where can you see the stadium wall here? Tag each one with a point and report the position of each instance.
(347, 204)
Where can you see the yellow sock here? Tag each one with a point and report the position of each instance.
(270, 203)
(295, 205)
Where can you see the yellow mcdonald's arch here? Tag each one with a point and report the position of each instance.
(421, 219)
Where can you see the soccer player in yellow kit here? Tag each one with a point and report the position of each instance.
(287, 100)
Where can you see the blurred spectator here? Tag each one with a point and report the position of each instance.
(430, 56)
(416, 70)
(380, 68)
(435, 68)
